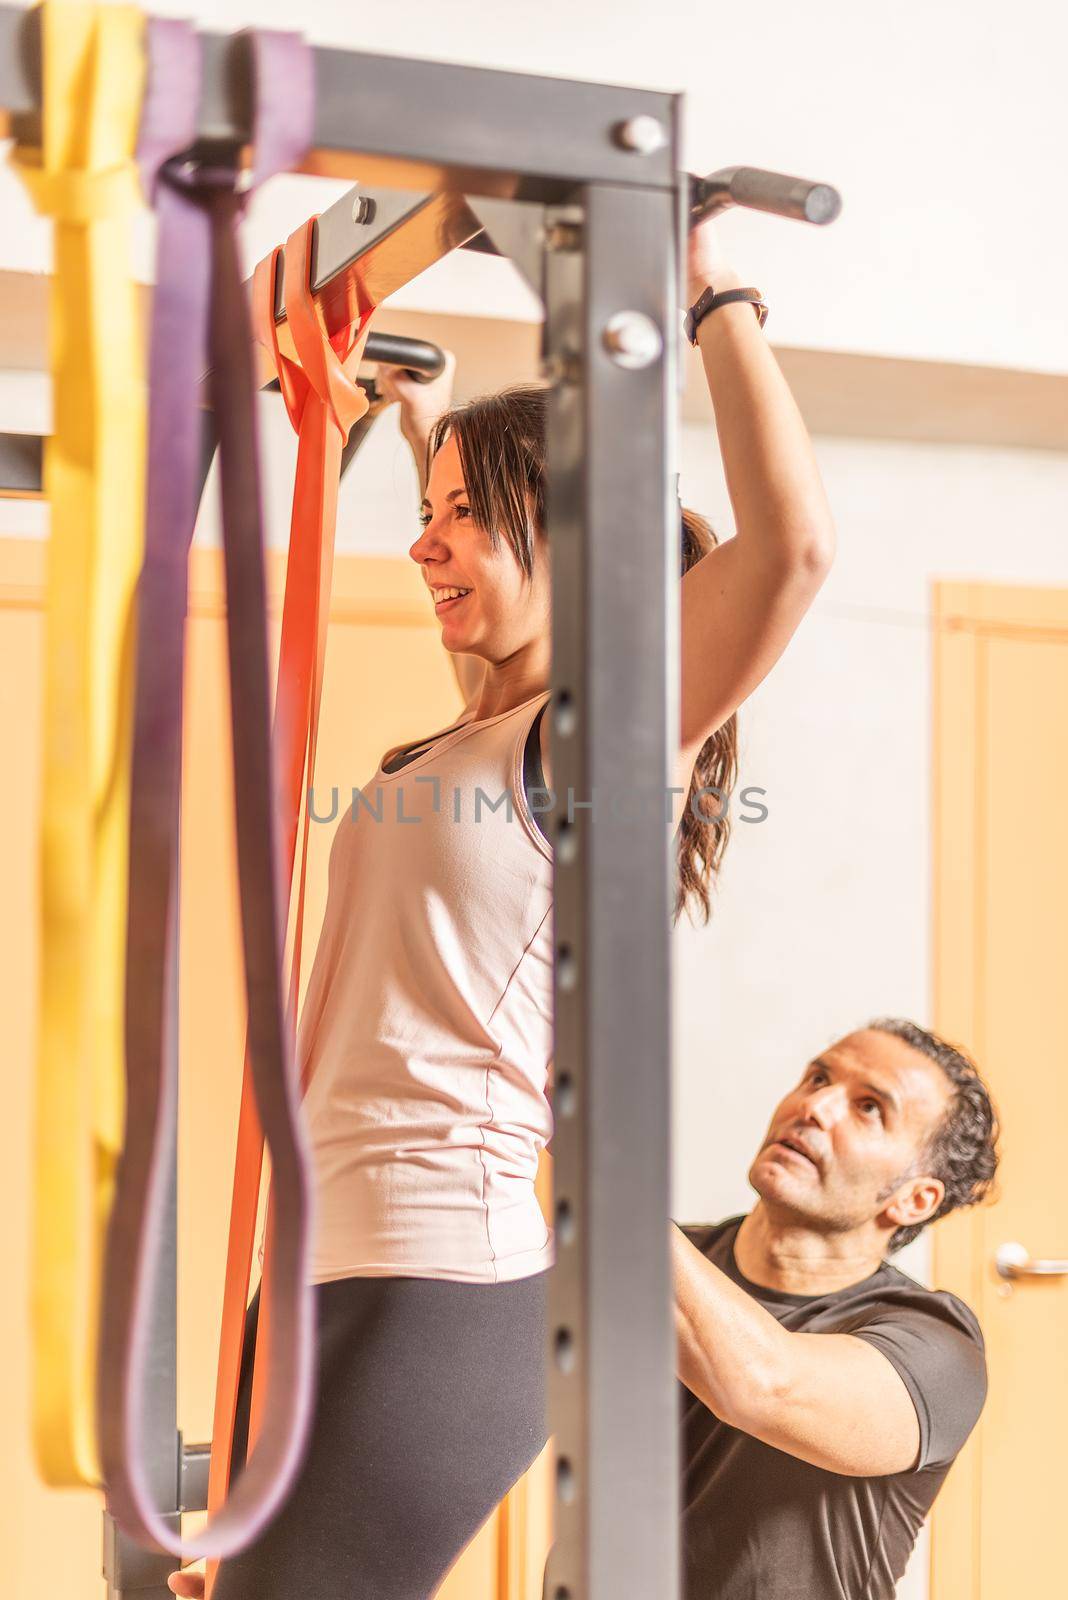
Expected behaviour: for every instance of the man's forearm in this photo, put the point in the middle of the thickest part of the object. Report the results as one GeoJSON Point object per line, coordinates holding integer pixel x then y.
{"type": "Point", "coordinates": [731, 1352]}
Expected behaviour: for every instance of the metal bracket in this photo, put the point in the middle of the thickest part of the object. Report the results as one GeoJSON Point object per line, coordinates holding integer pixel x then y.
{"type": "Point", "coordinates": [129, 1570]}
{"type": "Point", "coordinates": [517, 230]}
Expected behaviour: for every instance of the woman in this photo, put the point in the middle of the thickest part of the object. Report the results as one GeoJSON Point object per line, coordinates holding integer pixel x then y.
{"type": "Point", "coordinates": [427, 1023]}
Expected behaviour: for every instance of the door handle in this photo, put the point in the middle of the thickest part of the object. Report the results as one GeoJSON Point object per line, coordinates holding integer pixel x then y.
{"type": "Point", "coordinates": [1014, 1261]}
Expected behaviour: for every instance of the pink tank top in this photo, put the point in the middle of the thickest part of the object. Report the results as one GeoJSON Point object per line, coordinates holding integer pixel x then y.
{"type": "Point", "coordinates": [427, 1024]}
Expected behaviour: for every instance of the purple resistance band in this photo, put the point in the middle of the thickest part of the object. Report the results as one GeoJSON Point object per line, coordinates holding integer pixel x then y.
{"type": "Point", "coordinates": [201, 317]}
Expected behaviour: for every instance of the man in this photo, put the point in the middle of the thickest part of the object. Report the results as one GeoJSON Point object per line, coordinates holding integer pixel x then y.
{"type": "Point", "coordinates": [826, 1393]}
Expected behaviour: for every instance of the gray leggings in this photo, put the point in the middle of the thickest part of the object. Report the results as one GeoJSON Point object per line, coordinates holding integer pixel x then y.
{"type": "Point", "coordinates": [430, 1404]}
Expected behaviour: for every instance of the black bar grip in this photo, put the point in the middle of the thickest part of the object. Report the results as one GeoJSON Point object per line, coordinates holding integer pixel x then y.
{"type": "Point", "coordinates": [763, 191]}
{"type": "Point", "coordinates": [418, 357]}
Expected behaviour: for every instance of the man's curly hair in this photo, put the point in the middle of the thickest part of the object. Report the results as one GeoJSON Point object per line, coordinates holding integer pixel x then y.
{"type": "Point", "coordinates": [962, 1151]}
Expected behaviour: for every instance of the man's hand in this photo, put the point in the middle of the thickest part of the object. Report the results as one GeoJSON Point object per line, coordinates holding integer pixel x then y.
{"type": "Point", "coordinates": [188, 1584]}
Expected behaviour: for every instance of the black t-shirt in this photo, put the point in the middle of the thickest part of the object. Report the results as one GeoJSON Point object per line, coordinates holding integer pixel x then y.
{"type": "Point", "coordinates": [758, 1524]}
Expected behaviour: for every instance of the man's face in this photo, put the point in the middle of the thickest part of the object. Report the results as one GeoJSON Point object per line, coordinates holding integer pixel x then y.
{"type": "Point", "coordinates": [845, 1141]}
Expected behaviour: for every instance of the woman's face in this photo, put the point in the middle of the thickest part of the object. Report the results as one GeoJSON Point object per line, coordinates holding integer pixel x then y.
{"type": "Point", "coordinates": [501, 613]}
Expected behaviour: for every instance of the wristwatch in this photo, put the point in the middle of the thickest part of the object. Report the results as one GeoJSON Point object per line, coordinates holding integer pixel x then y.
{"type": "Point", "coordinates": [709, 300]}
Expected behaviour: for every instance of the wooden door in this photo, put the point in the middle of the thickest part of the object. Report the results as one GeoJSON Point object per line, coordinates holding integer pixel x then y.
{"type": "Point", "coordinates": [1001, 983]}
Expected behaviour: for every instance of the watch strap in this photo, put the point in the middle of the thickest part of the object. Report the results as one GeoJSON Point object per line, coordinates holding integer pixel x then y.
{"type": "Point", "coordinates": [710, 301]}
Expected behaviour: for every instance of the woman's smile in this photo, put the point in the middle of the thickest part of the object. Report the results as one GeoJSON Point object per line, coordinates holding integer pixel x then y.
{"type": "Point", "coordinates": [448, 603]}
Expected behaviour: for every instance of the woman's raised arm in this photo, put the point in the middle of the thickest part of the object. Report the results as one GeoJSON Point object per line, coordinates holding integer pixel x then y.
{"type": "Point", "coordinates": [742, 603]}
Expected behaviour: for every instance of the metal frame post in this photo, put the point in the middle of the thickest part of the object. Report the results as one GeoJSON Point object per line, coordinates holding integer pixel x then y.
{"type": "Point", "coordinates": [613, 533]}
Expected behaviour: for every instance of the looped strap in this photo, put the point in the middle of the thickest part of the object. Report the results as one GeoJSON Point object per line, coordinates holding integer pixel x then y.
{"type": "Point", "coordinates": [326, 364]}
{"type": "Point", "coordinates": [200, 317]}
{"type": "Point", "coordinates": [92, 74]}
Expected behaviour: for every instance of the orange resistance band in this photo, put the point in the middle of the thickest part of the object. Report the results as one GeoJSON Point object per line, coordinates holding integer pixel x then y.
{"type": "Point", "coordinates": [323, 402]}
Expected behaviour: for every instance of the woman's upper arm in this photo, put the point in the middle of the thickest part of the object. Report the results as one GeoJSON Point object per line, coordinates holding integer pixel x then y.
{"type": "Point", "coordinates": [739, 608]}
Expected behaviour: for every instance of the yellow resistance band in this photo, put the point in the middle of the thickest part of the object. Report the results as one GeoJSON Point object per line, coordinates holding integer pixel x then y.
{"type": "Point", "coordinates": [84, 177]}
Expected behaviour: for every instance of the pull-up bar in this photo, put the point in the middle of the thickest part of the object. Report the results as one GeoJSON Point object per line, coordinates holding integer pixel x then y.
{"type": "Point", "coordinates": [372, 241]}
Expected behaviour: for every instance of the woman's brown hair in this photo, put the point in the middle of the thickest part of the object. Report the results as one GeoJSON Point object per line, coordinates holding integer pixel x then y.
{"type": "Point", "coordinates": [706, 824]}
{"type": "Point", "coordinates": [501, 441]}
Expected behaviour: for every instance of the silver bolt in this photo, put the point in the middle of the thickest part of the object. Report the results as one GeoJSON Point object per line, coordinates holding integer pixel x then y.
{"type": "Point", "coordinates": [363, 210]}
{"type": "Point", "coordinates": [644, 135]}
{"type": "Point", "coordinates": [633, 340]}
